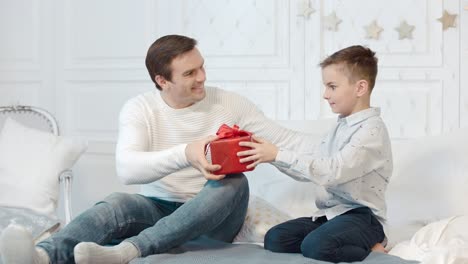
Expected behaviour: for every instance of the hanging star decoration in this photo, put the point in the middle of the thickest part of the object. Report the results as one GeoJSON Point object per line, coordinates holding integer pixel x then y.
{"type": "Point", "coordinates": [331, 22]}
{"type": "Point", "coordinates": [373, 30]}
{"type": "Point", "coordinates": [405, 30]}
{"type": "Point", "coordinates": [447, 20]}
{"type": "Point", "coordinates": [304, 9]}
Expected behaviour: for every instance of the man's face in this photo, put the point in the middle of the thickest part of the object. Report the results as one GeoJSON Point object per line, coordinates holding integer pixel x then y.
{"type": "Point", "coordinates": [340, 93]}
{"type": "Point", "coordinates": [188, 80]}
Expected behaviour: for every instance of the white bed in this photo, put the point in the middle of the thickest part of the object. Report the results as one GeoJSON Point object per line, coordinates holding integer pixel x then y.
{"type": "Point", "coordinates": [427, 209]}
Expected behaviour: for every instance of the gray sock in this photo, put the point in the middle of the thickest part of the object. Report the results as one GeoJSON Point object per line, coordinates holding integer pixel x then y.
{"type": "Point", "coordinates": [17, 247]}
{"type": "Point", "coordinates": [89, 252]}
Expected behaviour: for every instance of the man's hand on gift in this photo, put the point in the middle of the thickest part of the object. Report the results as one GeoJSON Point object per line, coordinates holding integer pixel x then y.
{"type": "Point", "coordinates": [195, 153]}
{"type": "Point", "coordinates": [261, 151]}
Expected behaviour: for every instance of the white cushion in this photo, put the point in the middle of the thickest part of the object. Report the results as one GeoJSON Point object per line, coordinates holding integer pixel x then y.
{"type": "Point", "coordinates": [295, 198]}
{"type": "Point", "coordinates": [441, 242]}
{"type": "Point", "coordinates": [38, 224]}
{"type": "Point", "coordinates": [261, 216]}
{"type": "Point", "coordinates": [429, 182]}
{"type": "Point", "coordinates": [30, 164]}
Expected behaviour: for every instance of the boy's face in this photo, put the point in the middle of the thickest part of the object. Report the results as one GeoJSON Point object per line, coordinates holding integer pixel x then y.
{"type": "Point", "coordinates": [188, 80]}
{"type": "Point", "coordinates": [341, 94]}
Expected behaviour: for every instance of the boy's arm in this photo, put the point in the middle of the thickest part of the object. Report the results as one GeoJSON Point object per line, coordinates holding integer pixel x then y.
{"type": "Point", "coordinates": [368, 150]}
{"type": "Point", "coordinates": [263, 151]}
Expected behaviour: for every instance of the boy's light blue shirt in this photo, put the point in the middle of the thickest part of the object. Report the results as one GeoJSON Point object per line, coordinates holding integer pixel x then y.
{"type": "Point", "coordinates": [352, 164]}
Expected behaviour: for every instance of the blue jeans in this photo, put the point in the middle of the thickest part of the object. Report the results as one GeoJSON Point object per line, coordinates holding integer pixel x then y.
{"type": "Point", "coordinates": [154, 225]}
{"type": "Point", "coordinates": [346, 238]}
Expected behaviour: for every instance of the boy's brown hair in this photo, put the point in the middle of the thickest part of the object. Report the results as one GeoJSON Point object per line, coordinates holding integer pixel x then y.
{"type": "Point", "coordinates": [359, 63]}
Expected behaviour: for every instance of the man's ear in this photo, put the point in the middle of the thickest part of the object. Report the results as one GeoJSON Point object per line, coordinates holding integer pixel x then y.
{"type": "Point", "coordinates": [161, 81]}
{"type": "Point", "coordinates": [362, 87]}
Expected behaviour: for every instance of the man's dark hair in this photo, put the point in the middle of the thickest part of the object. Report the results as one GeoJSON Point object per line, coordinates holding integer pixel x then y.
{"type": "Point", "coordinates": [163, 51]}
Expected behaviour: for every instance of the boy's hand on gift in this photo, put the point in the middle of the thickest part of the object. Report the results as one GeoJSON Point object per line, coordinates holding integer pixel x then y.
{"type": "Point", "coordinates": [261, 151]}
{"type": "Point", "coordinates": [195, 153]}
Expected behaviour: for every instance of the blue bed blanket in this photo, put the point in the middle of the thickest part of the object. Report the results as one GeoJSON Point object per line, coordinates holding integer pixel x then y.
{"type": "Point", "coordinates": [207, 251]}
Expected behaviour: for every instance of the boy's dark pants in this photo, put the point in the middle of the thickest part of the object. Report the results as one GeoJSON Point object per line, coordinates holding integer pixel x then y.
{"type": "Point", "coordinates": [346, 238]}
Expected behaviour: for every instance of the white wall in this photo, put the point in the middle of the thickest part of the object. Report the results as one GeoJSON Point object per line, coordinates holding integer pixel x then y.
{"type": "Point", "coordinates": [83, 59]}
{"type": "Point", "coordinates": [463, 20]}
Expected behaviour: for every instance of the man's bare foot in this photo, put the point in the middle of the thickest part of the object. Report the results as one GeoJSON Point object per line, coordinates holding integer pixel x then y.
{"type": "Point", "coordinates": [379, 248]}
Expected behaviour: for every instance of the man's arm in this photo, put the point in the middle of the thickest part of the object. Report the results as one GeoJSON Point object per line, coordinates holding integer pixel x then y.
{"type": "Point", "coordinates": [263, 151]}
{"type": "Point", "coordinates": [195, 153]}
{"type": "Point", "coordinates": [254, 121]}
{"type": "Point", "coordinates": [135, 164]}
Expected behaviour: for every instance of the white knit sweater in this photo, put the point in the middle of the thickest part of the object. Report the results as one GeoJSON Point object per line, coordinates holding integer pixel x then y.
{"type": "Point", "coordinates": [153, 136]}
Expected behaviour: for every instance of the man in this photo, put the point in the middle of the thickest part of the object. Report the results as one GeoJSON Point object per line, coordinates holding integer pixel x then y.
{"type": "Point", "coordinates": [162, 138]}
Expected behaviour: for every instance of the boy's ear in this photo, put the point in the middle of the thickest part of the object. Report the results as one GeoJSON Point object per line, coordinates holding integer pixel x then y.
{"type": "Point", "coordinates": [160, 80]}
{"type": "Point", "coordinates": [362, 87]}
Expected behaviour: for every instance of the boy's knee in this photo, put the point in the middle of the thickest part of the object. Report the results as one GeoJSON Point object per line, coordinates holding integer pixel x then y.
{"type": "Point", "coordinates": [318, 254]}
{"type": "Point", "coordinates": [319, 249]}
{"type": "Point", "coordinates": [273, 240]}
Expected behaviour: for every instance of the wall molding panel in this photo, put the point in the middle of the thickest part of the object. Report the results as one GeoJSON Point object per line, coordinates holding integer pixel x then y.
{"type": "Point", "coordinates": [463, 20]}
{"type": "Point", "coordinates": [23, 45]}
{"type": "Point", "coordinates": [411, 108]}
{"type": "Point", "coordinates": [424, 47]}
{"type": "Point", "coordinates": [90, 114]}
{"type": "Point", "coordinates": [97, 38]}
{"type": "Point", "coordinates": [24, 92]}
{"type": "Point", "coordinates": [271, 97]}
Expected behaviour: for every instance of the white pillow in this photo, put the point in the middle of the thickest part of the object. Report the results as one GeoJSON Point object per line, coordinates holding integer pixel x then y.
{"type": "Point", "coordinates": [295, 198]}
{"type": "Point", "coordinates": [39, 225]}
{"type": "Point", "coordinates": [30, 164]}
{"type": "Point", "coordinates": [429, 182]}
{"type": "Point", "coordinates": [444, 241]}
{"type": "Point", "coordinates": [261, 216]}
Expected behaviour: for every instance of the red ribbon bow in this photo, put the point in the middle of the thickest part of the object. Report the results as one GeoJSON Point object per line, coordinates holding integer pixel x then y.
{"type": "Point", "coordinates": [226, 131]}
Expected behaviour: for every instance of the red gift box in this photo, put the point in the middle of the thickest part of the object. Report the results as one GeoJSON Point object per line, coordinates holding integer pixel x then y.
{"type": "Point", "coordinates": [224, 150]}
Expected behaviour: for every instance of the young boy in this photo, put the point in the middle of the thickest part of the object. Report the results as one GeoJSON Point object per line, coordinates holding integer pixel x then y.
{"type": "Point", "coordinates": [352, 164]}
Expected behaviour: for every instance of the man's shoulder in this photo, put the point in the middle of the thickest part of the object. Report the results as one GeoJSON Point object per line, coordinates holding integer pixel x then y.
{"type": "Point", "coordinates": [223, 96]}
{"type": "Point", "coordinates": [146, 96]}
{"type": "Point", "coordinates": [143, 98]}
{"type": "Point", "coordinates": [218, 92]}
{"type": "Point", "coordinates": [141, 102]}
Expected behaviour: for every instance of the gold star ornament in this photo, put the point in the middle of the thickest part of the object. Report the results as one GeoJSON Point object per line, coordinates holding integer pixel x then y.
{"type": "Point", "coordinates": [373, 30]}
{"type": "Point", "coordinates": [331, 22]}
{"type": "Point", "coordinates": [447, 20]}
{"type": "Point", "coordinates": [405, 30]}
{"type": "Point", "coordinates": [304, 9]}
